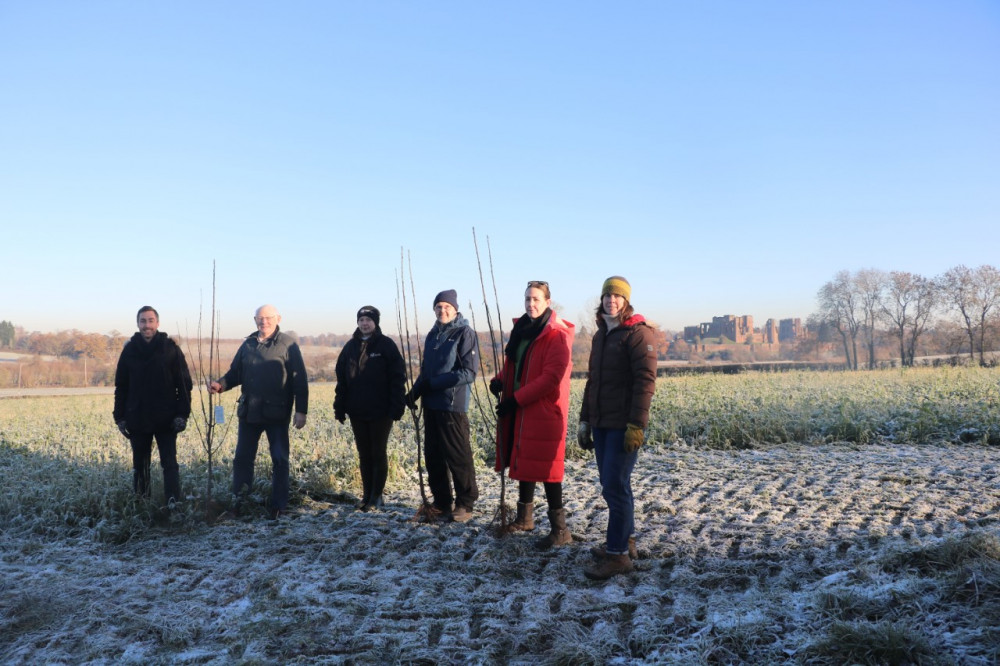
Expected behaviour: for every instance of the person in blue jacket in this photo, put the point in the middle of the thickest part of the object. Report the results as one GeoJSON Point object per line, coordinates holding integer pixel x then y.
{"type": "Point", "coordinates": [443, 386]}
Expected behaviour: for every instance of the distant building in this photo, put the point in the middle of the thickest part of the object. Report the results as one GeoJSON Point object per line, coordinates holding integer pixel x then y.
{"type": "Point", "coordinates": [737, 329]}
{"type": "Point", "coordinates": [740, 330]}
{"type": "Point", "coordinates": [770, 333]}
{"type": "Point", "coordinates": [789, 329]}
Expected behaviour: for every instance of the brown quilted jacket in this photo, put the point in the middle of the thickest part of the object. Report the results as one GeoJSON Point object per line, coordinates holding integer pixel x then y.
{"type": "Point", "coordinates": [621, 376]}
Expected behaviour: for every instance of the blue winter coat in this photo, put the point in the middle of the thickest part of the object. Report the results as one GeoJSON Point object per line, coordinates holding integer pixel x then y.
{"type": "Point", "coordinates": [449, 366]}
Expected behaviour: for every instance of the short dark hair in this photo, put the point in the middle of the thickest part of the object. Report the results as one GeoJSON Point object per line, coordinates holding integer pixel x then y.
{"type": "Point", "coordinates": [147, 308]}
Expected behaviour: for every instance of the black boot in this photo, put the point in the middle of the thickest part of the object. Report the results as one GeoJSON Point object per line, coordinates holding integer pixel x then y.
{"type": "Point", "coordinates": [171, 486]}
{"type": "Point", "coordinates": [366, 492]}
{"type": "Point", "coordinates": [373, 504]}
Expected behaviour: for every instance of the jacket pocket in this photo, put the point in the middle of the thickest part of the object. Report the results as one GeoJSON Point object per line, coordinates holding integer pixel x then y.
{"type": "Point", "coordinates": [274, 411]}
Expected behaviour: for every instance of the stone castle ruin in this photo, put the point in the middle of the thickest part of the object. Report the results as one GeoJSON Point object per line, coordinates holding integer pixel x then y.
{"type": "Point", "coordinates": [741, 330]}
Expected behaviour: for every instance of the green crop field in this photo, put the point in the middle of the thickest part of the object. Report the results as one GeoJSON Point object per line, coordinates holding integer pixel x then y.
{"type": "Point", "coordinates": [70, 469]}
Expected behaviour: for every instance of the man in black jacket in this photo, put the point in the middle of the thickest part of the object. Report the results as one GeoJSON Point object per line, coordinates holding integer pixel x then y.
{"type": "Point", "coordinates": [152, 400]}
{"type": "Point", "coordinates": [269, 367]}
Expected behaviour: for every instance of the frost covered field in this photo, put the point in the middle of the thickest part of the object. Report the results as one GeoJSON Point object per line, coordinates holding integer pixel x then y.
{"type": "Point", "coordinates": [800, 518]}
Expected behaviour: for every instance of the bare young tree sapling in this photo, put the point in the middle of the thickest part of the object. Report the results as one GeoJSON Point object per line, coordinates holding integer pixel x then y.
{"type": "Point", "coordinates": [212, 411]}
{"type": "Point", "coordinates": [427, 512]}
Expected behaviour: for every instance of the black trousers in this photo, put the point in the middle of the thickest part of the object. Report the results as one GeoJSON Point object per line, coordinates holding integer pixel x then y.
{"type": "Point", "coordinates": [448, 453]}
{"type": "Point", "coordinates": [553, 493]}
{"type": "Point", "coordinates": [371, 439]}
{"type": "Point", "coordinates": [142, 453]}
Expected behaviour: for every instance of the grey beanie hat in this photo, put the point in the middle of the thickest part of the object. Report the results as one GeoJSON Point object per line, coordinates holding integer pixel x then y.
{"type": "Point", "coordinates": [447, 296]}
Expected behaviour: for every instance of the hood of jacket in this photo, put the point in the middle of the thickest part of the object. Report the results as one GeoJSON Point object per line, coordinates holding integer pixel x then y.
{"type": "Point", "coordinates": [457, 322]}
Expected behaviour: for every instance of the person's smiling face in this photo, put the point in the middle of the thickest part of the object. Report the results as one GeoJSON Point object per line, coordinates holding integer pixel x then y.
{"type": "Point", "coordinates": [613, 304]}
{"type": "Point", "coordinates": [148, 323]}
{"type": "Point", "coordinates": [267, 319]}
{"type": "Point", "coordinates": [366, 325]}
{"type": "Point", "coordinates": [445, 312]}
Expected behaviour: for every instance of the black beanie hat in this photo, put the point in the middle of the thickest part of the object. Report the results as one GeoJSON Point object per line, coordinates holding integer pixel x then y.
{"type": "Point", "coordinates": [447, 296]}
{"type": "Point", "coordinates": [371, 312]}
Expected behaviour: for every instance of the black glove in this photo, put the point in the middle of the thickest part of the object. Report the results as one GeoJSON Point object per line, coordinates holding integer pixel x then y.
{"type": "Point", "coordinates": [411, 398]}
{"type": "Point", "coordinates": [180, 423]}
{"type": "Point", "coordinates": [506, 406]}
{"type": "Point", "coordinates": [339, 415]}
{"type": "Point", "coordinates": [496, 386]}
{"type": "Point", "coordinates": [584, 436]}
{"type": "Point", "coordinates": [397, 413]}
{"type": "Point", "coordinates": [123, 428]}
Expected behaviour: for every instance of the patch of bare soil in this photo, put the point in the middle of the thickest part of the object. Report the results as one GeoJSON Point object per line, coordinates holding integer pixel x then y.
{"type": "Point", "coordinates": [740, 554]}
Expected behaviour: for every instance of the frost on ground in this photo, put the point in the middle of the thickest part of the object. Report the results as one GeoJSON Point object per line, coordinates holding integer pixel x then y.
{"type": "Point", "coordinates": [758, 556]}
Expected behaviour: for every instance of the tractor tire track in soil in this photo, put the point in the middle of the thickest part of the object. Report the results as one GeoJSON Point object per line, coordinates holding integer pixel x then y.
{"type": "Point", "coordinates": [727, 539]}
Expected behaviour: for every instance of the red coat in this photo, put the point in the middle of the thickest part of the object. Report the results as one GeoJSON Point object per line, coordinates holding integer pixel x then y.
{"type": "Point", "coordinates": [539, 424]}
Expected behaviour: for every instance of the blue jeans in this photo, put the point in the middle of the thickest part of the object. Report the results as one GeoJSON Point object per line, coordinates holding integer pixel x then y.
{"type": "Point", "coordinates": [247, 440]}
{"type": "Point", "coordinates": [614, 467]}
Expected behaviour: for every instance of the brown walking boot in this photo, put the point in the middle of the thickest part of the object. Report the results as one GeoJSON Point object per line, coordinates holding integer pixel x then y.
{"type": "Point", "coordinates": [600, 552]}
{"type": "Point", "coordinates": [559, 535]}
{"type": "Point", "coordinates": [612, 565]}
{"type": "Point", "coordinates": [525, 521]}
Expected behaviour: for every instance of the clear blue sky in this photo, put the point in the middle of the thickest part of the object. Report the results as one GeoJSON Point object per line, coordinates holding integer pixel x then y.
{"type": "Point", "coordinates": [726, 157]}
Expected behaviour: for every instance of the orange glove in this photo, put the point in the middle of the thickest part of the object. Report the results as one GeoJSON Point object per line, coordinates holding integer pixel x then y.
{"type": "Point", "coordinates": [634, 437]}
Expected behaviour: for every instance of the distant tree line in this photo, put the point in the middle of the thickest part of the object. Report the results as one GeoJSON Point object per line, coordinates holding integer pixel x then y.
{"type": "Point", "coordinates": [863, 313]}
{"type": "Point", "coordinates": [863, 306]}
{"type": "Point", "coordinates": [6, 333]}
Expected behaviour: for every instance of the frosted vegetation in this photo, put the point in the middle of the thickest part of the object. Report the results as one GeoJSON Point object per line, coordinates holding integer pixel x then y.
{"type": "Point", "coordinates": [801, 518]}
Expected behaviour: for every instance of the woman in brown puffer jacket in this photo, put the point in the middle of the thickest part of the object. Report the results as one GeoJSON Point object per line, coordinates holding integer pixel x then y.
{"type": "Point", "coordinates": [621, 380]}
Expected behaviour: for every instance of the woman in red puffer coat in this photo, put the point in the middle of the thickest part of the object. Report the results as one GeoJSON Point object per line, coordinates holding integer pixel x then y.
{"type": "Point", "coordinates": [533, 412]}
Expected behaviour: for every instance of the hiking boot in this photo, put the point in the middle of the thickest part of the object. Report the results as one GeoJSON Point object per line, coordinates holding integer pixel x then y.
{"type": "Point", "coordinates": [559, 534]}
{"type": "Point", "coordinates": [525, 521]}
{"type": "Point", "coordinates": [612, 565]}
{"type": "Point", "coordinates": [461, 515]}
{"type": "Point", "coordinates": [428, 513]}
{"type": "Point", "coordinates": [600, 552]}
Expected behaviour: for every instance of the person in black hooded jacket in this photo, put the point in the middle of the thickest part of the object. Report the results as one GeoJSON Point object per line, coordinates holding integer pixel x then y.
{"type": "Point", "coordinates": [152, 400]}
{"type": "Point", "coordinates": [371, 382]}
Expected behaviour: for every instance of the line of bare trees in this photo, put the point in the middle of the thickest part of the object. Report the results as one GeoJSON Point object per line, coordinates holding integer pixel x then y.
{"type": "Point", "coordinates": [861, 305]}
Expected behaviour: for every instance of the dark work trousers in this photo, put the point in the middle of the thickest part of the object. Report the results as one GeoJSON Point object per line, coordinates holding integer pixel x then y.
{"type": "Point", "coordinates": [142, 453]}
{"type": "Point", "coordinates": [371, 438]}
{"type": "Point", "coordinates": [447, 452]}
{"type": "Point", "coordinates": [245, 457]}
